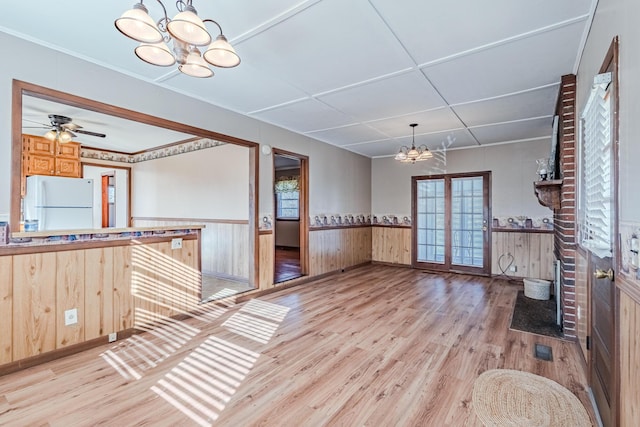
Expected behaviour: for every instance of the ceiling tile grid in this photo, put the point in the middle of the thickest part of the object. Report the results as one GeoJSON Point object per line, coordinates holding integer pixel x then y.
{"type": "Point", "coordinates": [355, 74]}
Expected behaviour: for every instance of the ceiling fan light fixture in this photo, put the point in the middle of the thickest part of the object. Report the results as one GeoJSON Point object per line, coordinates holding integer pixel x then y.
{"type": "Point", "coordinates": [156, 54]}
{"type": "Point", "coordinates": [189, 28]}
{"type": "Point", "coordinates": [186, 30]}
{"type": "Point", "coordinates": [221, 54]}
{"type": "Point", "coordinates": [136, 24]}
{"type": "Point", "coordinates": [195, 66]}
{"type": "Point", "coordinates": [64, 137]}
{"type": "Point", "coordinates": [51, 135]}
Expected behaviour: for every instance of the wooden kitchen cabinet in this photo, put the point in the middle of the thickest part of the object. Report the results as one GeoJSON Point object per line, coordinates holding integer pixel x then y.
{"type": "Point", "coordinates": [68, 168]}
{"type": "Point", "coordinates": [38, 145]}
{"type": "Point", "coordinates": [43, 157]}
{"type": "Point", "coordinates": [70, 150]}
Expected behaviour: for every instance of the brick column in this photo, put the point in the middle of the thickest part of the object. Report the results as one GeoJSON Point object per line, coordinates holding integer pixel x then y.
{"type": "Point", "coordinates": [565, 217]}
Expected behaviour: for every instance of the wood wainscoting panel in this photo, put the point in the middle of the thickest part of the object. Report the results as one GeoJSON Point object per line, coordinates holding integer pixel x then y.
{"type": "Point", "coordinates": [338, 248]}
{"type": "Point", "coordinates": [144, 286]}
{"type": "Point", "coordinates": [98, 295]}
{"type": "Point", "coordinates": [530, 253]}
{"type": "Point", "coordinates": [187, 279]}
{"type": "Point", "coordinates": [225, 244]}
{"type": "Point", "coordinates": [165, 282]}
{"type": "Point", "coordinates": [122, 302]}
{"type": "Point", "coordinates": [167, 268]}
{"type": "Point", "coordinates": [266, 260]}
{"type": "Point", "coordinates": [69, 295]}
{"type": "Point", "coordinates": [6, 308]}
{"type": "Point", "coordinates": [391, 245]}
{"type": "Point", "coordinates": [34, 303]}
{"type": "Point", "coordinates": [629, 360]}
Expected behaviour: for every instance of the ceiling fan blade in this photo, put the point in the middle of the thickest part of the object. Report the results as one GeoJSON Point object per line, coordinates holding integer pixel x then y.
{"type": "Point", "coordinates": [46, 125]}
{"type": "Point", "coordinates": [86, 132]}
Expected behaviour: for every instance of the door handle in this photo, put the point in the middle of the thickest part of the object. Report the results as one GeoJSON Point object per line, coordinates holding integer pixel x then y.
{"type": "Point", "coordinates": [601, 274]}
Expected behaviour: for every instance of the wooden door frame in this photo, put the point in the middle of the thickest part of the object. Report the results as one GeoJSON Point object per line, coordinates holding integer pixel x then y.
{"type": "Point", "coordinates": [21, 88]}
{"type": "Point", "coordinates": [609, 64]}
{"type": "Point", "coordinates": [303, 228]}
{"type": "Point", "coordinates": [446, 266]}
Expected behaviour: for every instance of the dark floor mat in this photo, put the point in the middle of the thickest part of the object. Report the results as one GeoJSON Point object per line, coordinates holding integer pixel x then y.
{"type": "Point", "coordinates": [535, 316]}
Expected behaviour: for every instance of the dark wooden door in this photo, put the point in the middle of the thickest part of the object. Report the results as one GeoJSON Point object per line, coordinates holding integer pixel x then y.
{"type": "Point", "coordinates": [105, 200]}
{"type": "Point", "coordinates": [603, 336]}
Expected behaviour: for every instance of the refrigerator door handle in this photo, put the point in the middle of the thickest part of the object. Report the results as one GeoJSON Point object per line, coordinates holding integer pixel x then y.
{"type": "Point", "coordinates": [42, 194]}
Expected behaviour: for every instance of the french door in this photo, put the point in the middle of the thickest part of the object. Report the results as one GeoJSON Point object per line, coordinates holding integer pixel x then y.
{"type": "Point", "coordinates": [451, 227]}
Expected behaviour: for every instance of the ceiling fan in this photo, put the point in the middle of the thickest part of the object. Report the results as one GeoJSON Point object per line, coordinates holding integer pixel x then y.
{"type": "Point", "coordinates": [62, 129]}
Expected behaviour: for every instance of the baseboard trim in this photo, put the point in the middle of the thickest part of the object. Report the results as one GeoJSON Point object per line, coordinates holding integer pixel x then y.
{"type": "Point", "coordinates": [52, 355]}
{"type": "Point", "coordinates": [391, 264]}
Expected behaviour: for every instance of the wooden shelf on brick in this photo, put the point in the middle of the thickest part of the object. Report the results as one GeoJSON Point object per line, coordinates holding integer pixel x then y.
{"type": "Point", "coordinates": [548, 193]}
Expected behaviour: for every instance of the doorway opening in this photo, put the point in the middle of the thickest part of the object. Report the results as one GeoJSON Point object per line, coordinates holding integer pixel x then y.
{"type": "Point", "coordinates": [290, 201]}
{"type": "Point", "coordinates": [111, 198]}
{"type": "Point", "coordinates": [108, 189]}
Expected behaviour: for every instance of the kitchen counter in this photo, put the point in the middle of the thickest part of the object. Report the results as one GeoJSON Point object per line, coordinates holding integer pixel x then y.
{"type": "Point", "coordinates": [54, 240]}
{"type": "Point", "coordinates": [100, 231]}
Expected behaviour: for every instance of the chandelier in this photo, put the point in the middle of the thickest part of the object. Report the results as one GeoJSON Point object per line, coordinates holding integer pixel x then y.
{"type": "Point", "coordinates": [186, 32]}
{"type": "Point", "coordinates": [413, 154]}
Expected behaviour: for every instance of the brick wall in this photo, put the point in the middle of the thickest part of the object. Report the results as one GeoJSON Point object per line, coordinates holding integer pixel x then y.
{"type": "Point", "coordinates": [565, 217]}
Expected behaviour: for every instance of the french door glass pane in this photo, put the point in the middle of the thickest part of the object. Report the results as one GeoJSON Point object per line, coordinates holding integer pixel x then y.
{"type": "Point", "coordinates": [431, 221]}
{"type": "Point", "coordinates": [467, 221]}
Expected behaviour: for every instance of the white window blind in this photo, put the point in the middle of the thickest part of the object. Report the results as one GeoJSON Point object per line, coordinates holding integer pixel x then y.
{"type": "Point", "coordinates": [596, 198]}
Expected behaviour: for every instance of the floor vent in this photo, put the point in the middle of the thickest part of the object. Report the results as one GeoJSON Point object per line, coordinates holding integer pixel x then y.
{"type": "Point", "coordinates": [543, 352]}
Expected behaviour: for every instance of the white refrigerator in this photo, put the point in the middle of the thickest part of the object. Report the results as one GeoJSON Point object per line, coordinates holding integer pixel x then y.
{"type": "Point", "coordinates": [59, 203]}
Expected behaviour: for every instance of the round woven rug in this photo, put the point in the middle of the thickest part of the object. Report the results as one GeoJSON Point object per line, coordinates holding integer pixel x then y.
{"type": "Point", "coordinates": [503, 397]}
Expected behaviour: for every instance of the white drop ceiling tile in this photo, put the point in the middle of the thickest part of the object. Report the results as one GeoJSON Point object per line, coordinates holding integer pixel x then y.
{"type": "Point", "coordinates": [304, 116]}
{"type": "Point", "coordinates": [450, 139]}
{"type": "Point", "coordinates": [243, 88]}
{"type": "Point", "coordinates": [492, 71]}
{"type": "Point", "coordinates": [432, 30]}
{"type": "Point", "coordinates": [515, 131]}
{"type": "Point", "coordinates": [392, 96]}
{"type": "Point", "coordinates": [235, 17]}
{"type": "Point", "coordinates": [376, 149]}
{"type": "Point", "coordinates": [348, 135]}
{"type": "Point", "coordinates": [536, 103]}
{"type": "Point", "coordinates": [328, 45]}
{"type": "Point", "coordinates": [428, 121]}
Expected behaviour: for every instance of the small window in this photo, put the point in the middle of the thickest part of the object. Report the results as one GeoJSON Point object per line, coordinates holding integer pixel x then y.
{"type": "Point", "coordinates": [288, 205]}
{"type": "Point", "coordinates": [595, 216]}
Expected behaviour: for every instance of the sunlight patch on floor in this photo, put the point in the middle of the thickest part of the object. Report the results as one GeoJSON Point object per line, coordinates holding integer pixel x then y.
{"type": "Point", "coordinates": [203, 383]}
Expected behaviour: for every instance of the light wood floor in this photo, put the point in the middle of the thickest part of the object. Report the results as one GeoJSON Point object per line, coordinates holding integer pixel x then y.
{"type": "Point", "coordinates": [376, 346]}
{"type": "Point", "coordinates": [214, 288]}
{"type": "Point", "coordinates": [287, 264]}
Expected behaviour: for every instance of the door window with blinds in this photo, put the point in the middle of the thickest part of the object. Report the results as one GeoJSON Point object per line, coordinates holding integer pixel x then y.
{"type": "Point", "coordinates": [595, 216]}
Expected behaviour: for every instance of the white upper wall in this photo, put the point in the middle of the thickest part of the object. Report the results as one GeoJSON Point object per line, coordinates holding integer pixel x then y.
{"type": "Point", "coordinates": [339, 179]}
{"type": "Point", "coordinates": [621, 18]}
{"type": "Point", "coordinates": [210, 184]}
{"type": "Point", "coordinates": [513, 168]}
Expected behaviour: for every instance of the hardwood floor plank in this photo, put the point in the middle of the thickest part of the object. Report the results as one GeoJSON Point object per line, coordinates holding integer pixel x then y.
{"type": "Point", "coordinates": [377, 345]}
